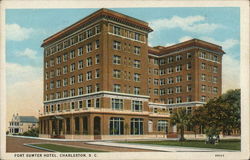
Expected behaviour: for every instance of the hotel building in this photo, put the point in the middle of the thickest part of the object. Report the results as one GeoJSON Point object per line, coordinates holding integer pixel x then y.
{"type": "Point", "coordinates": [103, 81]}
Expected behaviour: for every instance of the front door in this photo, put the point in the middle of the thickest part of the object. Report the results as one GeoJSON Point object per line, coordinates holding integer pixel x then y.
{"type": "Point", "coordinates": [97, 128]}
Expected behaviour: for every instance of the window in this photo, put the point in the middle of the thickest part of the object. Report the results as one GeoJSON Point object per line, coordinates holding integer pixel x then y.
{"type": "Point", "coordinates": [137, 77]}
{"type": "Point", "coordinates": [203, 77]}
{"type": "Point", "coordinates": [98, 29]}
{"type": "Point", "coordinates": [203, 88]}
{"type": "Point", "coordinates": [65, 69]}
{"type": "Point", "coordinates": [80, 51]}
{"type": "Point", "coordinates": [162, 91]}
{"type": "Point", "coordinates": [97, 73]}
{"type": "Point", "coordinates": [89, 33]}
{"type": "Point", "coordinates": [170, 91]}
{"type": "Point", "coordinates": [170, 100]}
{"type": "Point", "coordinates": [97, 59]}
{"type": "Point", "coordinates": [156, 71]}
{"type": "Point", "coordinates": [80, 64]}
{"type": "Point", "coordinates": [97, 87]}
{"type": "Point", "coordinates": [88, 61]}
{"type": "Point", "coordinates": [89, 89]}
{"type": "Point", "coordinates": [215, 69]}
{"type": "Point", "coordinates": [65, 82]}
{"type": "Point", "coordinates": [117, 30]}
{"type": "Point", "coordinates": [137, 106]}
{"type": "Point", "coordinates": [80, 78]}
{"type": "Point", "coordinates": [97, 44]}
{"type": "Point", "coordinates": [179, 68]}
{"type": "Point", "coordinates": [137, 36]}
{"type": "Point", "coordinates": [178, 89]}
{"type": "Point", "coordinates": [136, 126]}
{"type": "Point", "coordinates": [156, 82]}
{"type": "Point", "coordinates": [214, 79]}
{"type": "Point", "coordinates": [116, 73]}
{"type": "Point", "coordinates": [189, 98]}
{"type": "Point", "coordinates": [59, 60]}
{"type": "Point", "coordinates": [162, 126]}
{"type": "Point", "coordinates": [80, 91]}
{"type": "Point", "coordinates": [137, 50]}
{"type": "Point", "coordinates": [89, 75]}
{"type": "Point", "coordinates": [162, 61]}
{"type": "Point", "coordinates": [65, 94]}
{"type": "Point", "coordinates": [52, 62]}
{"type": "Point", "coordinates": [203, 55]}
{"type": "Point", "coordinates": [170, 59]}
{"type": "Point", "coordinates": [116, 126]}
{"type": "Point", "coordinates": [215, 58]}
{"type": "Point", "coordinates": [58, 83]}
{"type": "Point", "coordinates": [46, 75]}
{"type": "Point", "coordinates": [162, 71]}
{"type": "Point", "coordinates": [80, 37]}
{"type": "Point", "coordinates": [72, 92]}
{"type": "Point", "coordinates": [203, 66]}
{"type": "Point", "coordinates": [116, 45]}
{"type": "Point", "coordinates": [116, 59]}
{"type": "Point", "coordinates": [88, 103]}
{"type": "Point", "coordinates": [162, 81]}
{"type": "Point", "coordinates": [117, 104]}
{"type": "Point", "coordinates": [178, 79]}
{"type": "Point", "coordinates": [51, 84]}
{"type": "Point", "coordinates": [189, 66]}
{"type": "Point", "coordinates": [58, 71]}
{"type": "Point", "coordinates": [80, 104]}
{"type": "Point", "coordinates": [65, 57]}
{"type": "Point", "coordinates": [117, 88]}
{"type": "Point", "coordinates": [189, 55]}
{"type": "Point", "coordinates": [170, 70]}
{"type": "Point", "coordinates": [215, 90]}
{"type": "Point", "coordinates": [178, 57]}
{"type": "Point", "coordinates": [72, 54]}
{"type": "Point", "coordinates": [203, 98]}
{"type": "Point", "coordinates": [170, 80]}
{"type": "Point", "coordinates": [58, 95]}
{"type": "Point", "coordinates": [137, 64]}
{"type": "Point", "coordinates": [97, 103]}
{"type": "Point", "coordinates": [72, 67]}
{"type": "Point", "coordinates": [156, 61]}
{"type": "Point", "coordinates": [89, 47]}
{"type": "Point", "coordinates": [72, 80]}
{"type": "Point", "coordinates": [156, 91]}
{"type": "Point", "coordinates": [189, 77]}
{"type": "Point", "coordinates": [189, 88]}
{"type": "Point", "coordinates": [178, 100]}
{"type": "Point", "coordinates": [137, 90]}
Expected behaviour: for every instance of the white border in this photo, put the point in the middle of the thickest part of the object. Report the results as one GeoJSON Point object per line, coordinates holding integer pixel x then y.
{"type": "Point", "coordinates": [243, 4]}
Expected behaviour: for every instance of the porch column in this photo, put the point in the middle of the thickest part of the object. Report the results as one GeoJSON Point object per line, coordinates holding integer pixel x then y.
{"type": "Point", "coordinates": [91, 124]}
{"type": "Point", "coordinates": [50, 126]}
{"type": "Point", "coordinates": [47, 126]}
{"type": "Point", "coordinates": [72, 125]}
{"type": "Point", "coordinates": [81, 124]}
{"type": "Point", "coordinates": [64, 126]}
{"type": "Point", "coordinates": [57, 127]}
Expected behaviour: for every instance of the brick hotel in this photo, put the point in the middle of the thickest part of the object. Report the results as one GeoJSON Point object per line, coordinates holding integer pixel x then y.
{"type": "Point", "coordinates": [103, 81]}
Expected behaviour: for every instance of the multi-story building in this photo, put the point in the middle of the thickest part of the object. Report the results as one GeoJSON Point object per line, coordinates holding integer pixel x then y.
{"type": "Point", "coordinates": [101, 80]}
{"type": "Point", "coordinates": [21, 124]}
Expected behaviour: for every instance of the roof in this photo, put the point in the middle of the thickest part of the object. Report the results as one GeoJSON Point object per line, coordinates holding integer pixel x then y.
{"type": "Point", "coordinates": [161, 50]}
{"type": "Point", "coordinates": [28, 119]}
{"type": "Point", "coordinates": [107, 13]}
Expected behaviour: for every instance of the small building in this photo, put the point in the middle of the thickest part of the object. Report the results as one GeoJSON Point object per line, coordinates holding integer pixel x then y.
{"type": "Point", "coordinates": [21, 124]}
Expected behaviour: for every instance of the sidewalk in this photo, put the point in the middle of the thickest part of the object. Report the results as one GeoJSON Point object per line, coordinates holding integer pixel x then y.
{"type": "Point", "coordinates": [159, 147]}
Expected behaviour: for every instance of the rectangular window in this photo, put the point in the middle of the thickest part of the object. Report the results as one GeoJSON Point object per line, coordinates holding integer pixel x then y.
{"type": "Point", "coordinates": [137, 77]}
{"type": "Point", "coordinates": [189, 88]}
{"type": "Point", "coordinates": [178, 57]}
{"type": "Point", "coordinates": [137, 50]}
{"type": "Point", "coordinates": [189, 77]}
{"type": "Point", "coordinates": [97, 44]}
{"type": "Point", "coordinates": [162, 91]}
{"type": "Point", "coordinates": [80, 51]}
{"type": "Point", "coordinates": [178, 100]}
{"type": "Point", "coordinates": [170, 70]}
{"type": "Point", "coordinates": [97, 73]}
{"type": "Point", "coordinates": [203, 66]}
{"type": "Point", "coordinates": [162, 126]}
{"type": "Point", "coordinates": [65, 69]}
{"type": "Point", "coordinates": [65, 94]}
{"type": "Point", "coordinates": [162, 82]}
{"type": "Point", "coordinates": [170, 91]}
{"type": "Point", "coordinates": [72, 67]}
{"type": "Point", "coordinates": [97, 103]}
{"type": "Point", "coordinates": [179, 68]}
{"type": "Point", "coordinates": [88, 103]}
{"type": "Point", "coordinates": [89, 47]}
{"type": "Point", "coordinates": [58, 71]}
{"type": "Point", "coordinates": [170, 59]}
{"type": "Point", "coordinates": [116, 59]}
{"type": "Point", "coordinates": [178, 79]}
{"type": "Point", "coordinates": [89, 75]}
{"type": "Point", "coordinates": [59, 60]}
{"type": "Point", "coordinates": [117, 30]}
{"type": "Point", "coordinates": [80, 78]}
{"type": "Point", "coordinates": [189, 66]}
{"type": "Point", "coordinates": [203, 77]}
{"type": "Point", "coordinates": [65, 82]}
{"type": "Point", "coordinates": [72, 80]}
{"type": "Point", "coordinates": [80, 104]}
{"type": "Point", "coordinates": [137, 36]}
{"type": "Point", "coordinates": [117, 88]}
{"type": "Point", "coordinates": [72, 92]}
{"type": "Point", "coordinates": [117, 104]}
{"type": "Point", "coordinates": [89, 89]}
{"type": "Point", "coordinates": [97, 29]}
{"type": "Point", "coordinates": [72, 54]}
{"type": "Point", "coordinates": [88, 61]}
{"type": "Point", "coordinates": [156, 82]}
{"type": "Point", "coordinates": [116, 45]}
{"type": "Point", "coordinates": [189, 55]}
{"type": "Point", "coordinates": [170, 80]}
{"type": "Point", "coordinates": [215, 79]}
{"type": "Point", "coordinates": [116, 126]}
{"type": "Point", "coordinates": [136, 126]}
{"type": "Point", "coordinates": [97, 59]}
{"type": "Point", "coordinates": [203, 98]}
{"type": "Point", "coordinates": [178, 89]}
{"type": "Point", "coordinates": [137, 90]}
{"type": "Point", "coordinates": [203, 88]}
{"type": "Point", "coordinates": [136, 106]}
{"type": "Point", "coordinates": [80, 64]}
{"type": "Point", "coordinates": [215, 69]}
{"type": "Point", "coordinates": [89, 33]}
{"type": "Point", "coordinates": [80, 91]}
{"type": "Point", "coordinates": [156, 92]}
{"type": "Point", "coordinates": [97, 87]}
{"type": "Point", "coordinates": [116, 73]}
{"type": "Point", "coordinates": [137, 64]}
{"type": "Point", "coordinates": [65, 57]}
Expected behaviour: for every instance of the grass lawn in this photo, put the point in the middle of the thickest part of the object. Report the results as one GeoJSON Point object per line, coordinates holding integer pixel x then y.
{"type": "Point", "coordinates": [223, 144]}
{"type": "Point", "coordinates": [61, 148]}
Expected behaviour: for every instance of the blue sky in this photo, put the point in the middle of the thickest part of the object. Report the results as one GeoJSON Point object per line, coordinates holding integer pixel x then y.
{"type": "Point", "coordinates": [26, 29]}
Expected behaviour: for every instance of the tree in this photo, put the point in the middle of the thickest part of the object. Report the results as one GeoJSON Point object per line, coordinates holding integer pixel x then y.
{"type": "Point", "coordinates": [34, 132]}
{"type": "Point", "coordinates": [221, 114]}
{"type": "Point", "coordinates": [182, 119]}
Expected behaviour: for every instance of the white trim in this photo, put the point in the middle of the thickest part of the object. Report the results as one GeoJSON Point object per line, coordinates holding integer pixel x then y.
{"type": "Point", "coordinates": [103, 94]}
{"type": "Point", "coordinates": [110, 33]}
{"type": "Point", "coordinates": [176, 105]}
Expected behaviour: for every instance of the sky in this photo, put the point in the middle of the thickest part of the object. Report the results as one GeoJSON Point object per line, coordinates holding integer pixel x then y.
{"type": "Point", "coordinates": [27, 28]}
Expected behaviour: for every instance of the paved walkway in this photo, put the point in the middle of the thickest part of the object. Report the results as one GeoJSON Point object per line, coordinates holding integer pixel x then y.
{"type": "Point", "coordinates": [159, 147]}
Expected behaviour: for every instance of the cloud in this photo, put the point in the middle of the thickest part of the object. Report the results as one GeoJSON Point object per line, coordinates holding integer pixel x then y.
{"type": "Point", "coordinates": [230, 73]}
{"type": "Point", "coordinates": [191, 24]}
{"type": "Point", "coordinates": [27, 53]}
{"type": "Point", "coordinates": [24, 90]}
{"type": "Point", "coordinates": [15, 32]}
{"type": "Point", "coordinates": [185, 38]}
{"type": "Point", "coordinates": [226, 44]}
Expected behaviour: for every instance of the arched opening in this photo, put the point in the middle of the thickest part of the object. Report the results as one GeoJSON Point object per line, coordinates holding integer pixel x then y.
{"type": "Point", "coordinates": [97, 126]}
